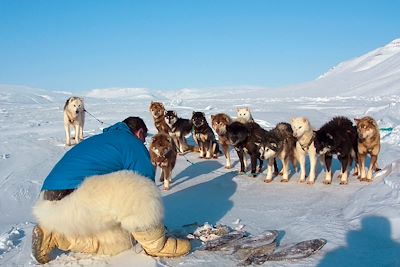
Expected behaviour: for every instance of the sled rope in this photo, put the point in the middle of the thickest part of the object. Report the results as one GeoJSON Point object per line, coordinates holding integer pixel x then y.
{"type": "Point", "coordinates": [101, 122]}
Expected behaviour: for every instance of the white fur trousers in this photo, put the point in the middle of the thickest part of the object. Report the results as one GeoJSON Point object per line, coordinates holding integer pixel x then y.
{"type": "Point", "coordinates": [107, 207]}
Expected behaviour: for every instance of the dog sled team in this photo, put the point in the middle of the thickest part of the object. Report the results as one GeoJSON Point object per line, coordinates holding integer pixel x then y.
{"type": "Point", "coordinates": [290, 143]}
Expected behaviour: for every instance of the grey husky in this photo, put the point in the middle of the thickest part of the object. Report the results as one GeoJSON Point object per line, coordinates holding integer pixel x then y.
{"type": "Point", "coordinates": [278, 143]}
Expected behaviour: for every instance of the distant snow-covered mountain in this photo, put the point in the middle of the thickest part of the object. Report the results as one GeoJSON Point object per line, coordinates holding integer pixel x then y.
{"type": "Point", "coordinates": [16, 94]}
{"type": "Point", "coordinates": [376, 73]}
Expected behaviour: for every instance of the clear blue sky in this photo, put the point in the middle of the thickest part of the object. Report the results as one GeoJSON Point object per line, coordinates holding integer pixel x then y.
{"type": "Point", "coordinates": [80, 45]}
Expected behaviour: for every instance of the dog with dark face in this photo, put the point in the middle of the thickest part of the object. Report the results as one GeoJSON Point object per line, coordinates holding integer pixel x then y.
{"type": "Point", "coordinates": [178, 129]}
{"type": "Point", "coordinates": [204, 136]}
{"type": "Point", "coordinates": [339, 137]}
{"type": "Point", "coordinates": [157, 111]}
{"type": "Point", "coordinates": [278, 143]}
{"type": "Point", "coordinates": [163, 154]}
{"type": "Point", "coordinates": [218, 123]}
{"type": "Point", "coordinates": [369, 142]}
{"type": "Point", "coordinates": [243, 138]}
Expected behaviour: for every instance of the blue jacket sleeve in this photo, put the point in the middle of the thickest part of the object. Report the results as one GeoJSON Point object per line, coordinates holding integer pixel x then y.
{"type": "Point", "coordinates": [138, 160]}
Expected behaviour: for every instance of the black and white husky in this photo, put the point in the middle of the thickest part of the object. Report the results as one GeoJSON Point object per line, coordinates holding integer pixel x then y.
{"type": "Point", "coordinates": [339, 137]}
{"type": "Point", "coordinates": [204, 136]}
{"type": "Point", "coordinates": [278, 143]}
{"type": "Point", "coordinates": [178, 129]}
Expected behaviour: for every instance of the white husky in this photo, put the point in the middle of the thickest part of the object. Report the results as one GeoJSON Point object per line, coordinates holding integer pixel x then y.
{"type": "Point", "coordinates": [304, 132]}
{"type": "Point", "coordinates": [244, 115]}
{"type": "Point", "coordinates": [74, 116]}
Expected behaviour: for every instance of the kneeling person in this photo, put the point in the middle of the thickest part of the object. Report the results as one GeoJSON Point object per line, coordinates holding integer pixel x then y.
{"type": "Point", "coordinates": [99, 195]}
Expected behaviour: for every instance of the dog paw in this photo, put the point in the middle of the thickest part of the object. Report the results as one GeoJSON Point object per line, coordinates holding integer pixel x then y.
{"type": "Point", "coordinates": [301, 181]}
{"type": "Point", "coordinates": [241, 172]}
{"type": "Point", "coordinates": [280, 173]}
{"type": "Point", "coordinates": [310, 182]}
{"type": "Point", "coordinates": [326, 182]}
{"type": "Point", "coordinates": [343, 183]}
{"type": "Point", "coordinates": [228, 167]}
{"type": "Point", "coordinates": [253, 175]}
{"type": "Point", "coordinates": [355, 174]}
{"type": "Point", "coordinates": [267, 180]}
{"type": "Point", "coordinates": [166, 188]}
{"type": "Point", "coordinates": [363, 179]}
{"type": "Point", "coordinates": [284, 180]}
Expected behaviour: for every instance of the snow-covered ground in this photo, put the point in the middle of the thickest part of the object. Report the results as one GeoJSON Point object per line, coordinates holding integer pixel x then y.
{"type": "Point", "coordinates": [360, 221]}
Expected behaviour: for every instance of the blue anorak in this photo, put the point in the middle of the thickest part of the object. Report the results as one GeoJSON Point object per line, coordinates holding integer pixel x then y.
{"type": "Point", "coordinates": [117, 148]}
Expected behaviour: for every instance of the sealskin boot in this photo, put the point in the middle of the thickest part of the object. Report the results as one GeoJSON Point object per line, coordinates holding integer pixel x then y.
{"type": "Point", "coordinates": [43, 243]}
{"type": "Point", "coordinates": [156, 244]}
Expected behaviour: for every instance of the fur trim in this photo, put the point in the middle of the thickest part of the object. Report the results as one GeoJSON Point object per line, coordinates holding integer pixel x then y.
{"type": "Point", "coordinates": [120, 199]}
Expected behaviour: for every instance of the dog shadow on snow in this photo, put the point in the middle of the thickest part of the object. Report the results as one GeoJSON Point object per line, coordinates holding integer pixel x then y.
{"type": "Point", "coordinates": [371, 245]}
{"type": "Point", "coordinates": [205, 202]}
{"type": "Point", "coordinates": [195, 170]}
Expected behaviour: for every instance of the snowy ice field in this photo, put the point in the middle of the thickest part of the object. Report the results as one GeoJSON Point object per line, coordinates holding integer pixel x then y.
{"type": "Point", "coordinates": [360, 221]}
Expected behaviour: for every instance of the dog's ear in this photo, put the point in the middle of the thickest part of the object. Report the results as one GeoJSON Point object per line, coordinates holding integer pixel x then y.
{"type": "Point", "coordinates": [212, 117]}
{"type": "Point", "coordinates": [273, 145]}
{"type": "Point", "coordinates": [193, 112]}
{"type": "Point", "coordinates": [257, 144]}
{"type": "Point", "coordinates": [175, 113]}
{"type": "Point", "coordinates": [237, 109]}
{"type": "Point", "coordinates": [247, 109]}
{"type": "Point", "coordinates": [304, 120]}
{"type": "Point", "coordinates": [356, 120]}
{"type": "Point", "coordinates": [329, 136]}
{"type": "Point", "coordinates": [203, 114]}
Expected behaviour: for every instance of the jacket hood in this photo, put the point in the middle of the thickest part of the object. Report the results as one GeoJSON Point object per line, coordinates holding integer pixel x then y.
{"type": "Point", "coordinates": [119, 126]}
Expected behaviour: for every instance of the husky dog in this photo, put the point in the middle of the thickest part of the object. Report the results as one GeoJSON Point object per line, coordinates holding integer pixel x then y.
{"type": "Point", "coordinates": [204, 136]}
{"type": "Point", "coordinates": [157, 110]}
{"type": "Point", "coordinates": [278, 143]}
{"type": "Point", "coordinates": [178, 129]}
{"type": "Point", "coordinates": [368, 143]}
{"type": "Point", "coordinates": [74, 116]}
{"type": "Point", "coordinates": [303, 132]}
{"type": "Point", "coordinates": [163, 154]}
{"type": "Point", "coordinates": [243, 138]}
{"type": "Point", "coordinates": [338, 136]}
{"type": "Point", "coordinates": [219, 122]}
{"type": "Point", "coordinates": [244, 115]}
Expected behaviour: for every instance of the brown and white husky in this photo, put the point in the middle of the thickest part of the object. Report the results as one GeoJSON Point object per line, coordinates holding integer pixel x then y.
{"type": "Point", "coordinates": [163, 154]}
{"type": "Point", "coordinates": [157, 111]}
{"type": "Point", "coordinates": [369, 142]}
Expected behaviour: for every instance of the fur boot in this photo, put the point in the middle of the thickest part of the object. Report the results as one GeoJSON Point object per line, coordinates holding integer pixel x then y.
{"type": "Point", "coordinates": [155, 243]}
